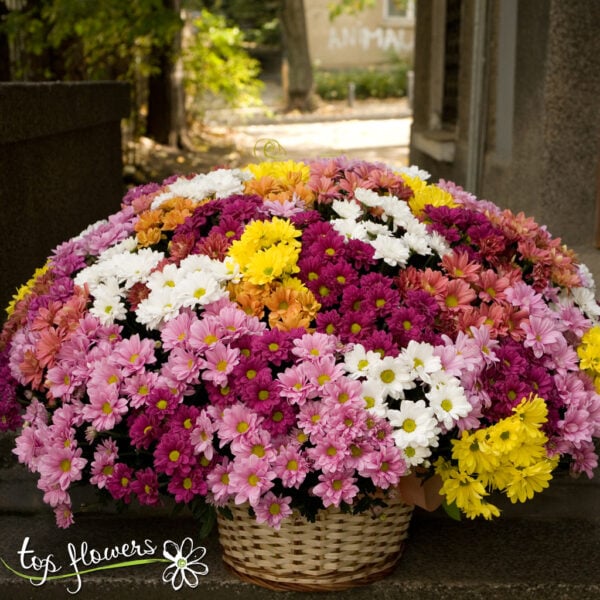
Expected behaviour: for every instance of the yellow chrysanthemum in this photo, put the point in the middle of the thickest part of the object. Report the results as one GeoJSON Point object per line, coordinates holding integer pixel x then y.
{"type": "Point", "coordinates": [293, 283]}
{"type": "Point", "coordinates": [529, 480]}
{"type": "Point", "coordinates": [528, 453]}
{"type": "Point", "coordinates": [589, 351]}
{"type": "Point", "coordinates": [271, 263]}
{"type": "Point", "coordinates": [283, 171]}
{"type": "Point", "coordinates": [482, 508]}
{"type": "Point", "coordinates": [506, 435]}
{"type": "Point", "coordinates": [267, 250]}
{"type": "Point", "coordinates": [424, 195]}
{"type": "Point", "coordinates": [25, 288]}
{"type": "Point", "coordinates": [463, 490]}
{"type": "Point", "coordinates": [474, 453]}
{"type": "Point", "coordinates": [532, 414]}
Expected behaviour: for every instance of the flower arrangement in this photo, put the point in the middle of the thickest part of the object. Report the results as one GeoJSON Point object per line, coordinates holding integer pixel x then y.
{"type": "Point", "coordinates": [299, 335]}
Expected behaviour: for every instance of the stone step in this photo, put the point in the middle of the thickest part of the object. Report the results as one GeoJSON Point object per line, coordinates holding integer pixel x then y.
{"type": "Point", "coordinates": [544, 549]}
{"type": "Point", "coordinates": [533, 559]}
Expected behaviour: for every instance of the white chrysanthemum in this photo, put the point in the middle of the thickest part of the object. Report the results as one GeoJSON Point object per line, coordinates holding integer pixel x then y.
{"type": "Point", "coordinates": [415, 227]}
{"type": "Point", "coordinates": [397, 210]}
{"type": "Point", "coordinates": [359, 360]}
{"type": "Point", "coordinates": [347, 210]}
{"type": "Point", "coordinates": [586, 300]}
{"type": "Point", "coordinates": [586, 276]}
{"type": "Point", "coordinates": [376, 229]}
{"type": "Point", "coordinates": [373, 393]}
{"type": "Point", "coordinates": [91, 276]}
{"type": "Point", "coordinates": [108, 305]}
{"type": "Point", "coordinates": [438, 244]}
{"type": "Point", "coordinates": [232, 270]}
{"type": "Point", "coordinates": [414, 171]}
{"type": "Point", "coordinates": [220, 270]}
{"type": "Point", "coordinates": [168, 277]}
{"type": "Point", "coordinates": [350, 229]}
{"type": "Point", "coordinates": [160, 306]}
{"type": "Point", "coordinates": [393, 251]}
{"type": "Point", "coordinates": [134, 267]}
{"type": "Point", "coordinates": [417, 243]}
{"type": "Point", "coordinates": [220, 184]}
{"type": "Point", "coordinates": [368, 197]}
{"type": "Point", "coordinates": [419, 361]}
{"type": "Point", "coordinates": [197, 262]}
{"type": "Point", "coordinates": [414, 424]}
{"type": "Point", "coordinates": [448, 401]}
{"type": "Point", "coordinates": [129, 244]}
{"type": "Point", "coordinates": [415, 455]}
{"type": "Point", "coordinates": [390, 373]}
{"type": "Point", "coordinates": [199, 288]}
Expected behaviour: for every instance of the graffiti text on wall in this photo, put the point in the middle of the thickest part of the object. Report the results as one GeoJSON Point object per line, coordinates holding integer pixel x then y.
{"type": "Point", "coordinates": [383, 38]}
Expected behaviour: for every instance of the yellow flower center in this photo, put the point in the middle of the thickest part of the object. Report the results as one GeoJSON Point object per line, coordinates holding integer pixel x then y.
{"type": "Point", "coordinates": [409, 425]}
{"type": "Point", "coordinates": [387, 376]}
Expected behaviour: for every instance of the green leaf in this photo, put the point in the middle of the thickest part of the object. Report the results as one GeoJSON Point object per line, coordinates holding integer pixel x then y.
{"type": "Point", "coordinates": [452, 510]}
{"type": "Point", "coordinates": [207, 523]}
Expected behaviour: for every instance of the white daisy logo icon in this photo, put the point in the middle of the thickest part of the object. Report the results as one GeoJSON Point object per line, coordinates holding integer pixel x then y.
{"type": "Point", "coordinates": [185, 564]}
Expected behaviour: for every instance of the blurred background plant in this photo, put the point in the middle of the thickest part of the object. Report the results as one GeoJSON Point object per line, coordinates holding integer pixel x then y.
{"type": "Point", "coordinates": [389, 81]}
{"type": "Point", "coordinates": [181, 57]}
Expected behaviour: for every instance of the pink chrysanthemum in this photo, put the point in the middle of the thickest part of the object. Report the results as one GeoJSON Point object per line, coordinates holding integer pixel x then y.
{"type": "Point", "coordinates": [272, 509]}
{"type": "Point", "coordinates": [335, 488]}
{"type": "Point", "coordinates": [250, 478]}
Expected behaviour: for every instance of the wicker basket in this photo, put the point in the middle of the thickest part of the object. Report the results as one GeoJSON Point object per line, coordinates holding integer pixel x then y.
{"type": "Point", "coordinates": [336, 552]}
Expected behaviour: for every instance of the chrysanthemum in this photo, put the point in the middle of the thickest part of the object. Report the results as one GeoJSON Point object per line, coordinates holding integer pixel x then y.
{"type": "Point", "coordinates": [145, 487]}
{"type": "Point", "coordinates": [393, 251]}
{"type": "Point", "coordinates": [391, 374]}
{"type": "Point", "coordinates": [358, 361]}
{"type": "Point", "coordinates": [198, 288]}
{"type": "Point", "coordinates": [449, 401]}
{"type": "Point", "coordinates": [236, 421]}
{"type": "Point", "coordinates": [219, 361]}
{"type": "Point", "coordinates": [108, 304]}
{"type": "Point", "coordinates": [61, 465]}
{"type": "Point", "coordinates": [419, 361]}
{"type": "Point", "coordinates": [384, 467]}
{"type": "Point", "coordinates": [272, 509]}
{"type": "Point", "coordinates": [527, 481]}
{"type": "Point", "coordinates": [542, 334]}
{"type": "Point", "coordinates": [105, 409]}
{"type": "Point", "coordinates": [335, 488]}
{"type": "Point", "coordinates": [462, 489]}
{"type": "Point", "coordinates": [189, 485]}
{"type": "Point", "coordinates": [414, 424]}
{"type": "Point", "coordinates": [328, 454]}
{"type": "Point", "coordinates": [133, 353]}
{"type": "Point", "coordinates": [291, 465]}
{"type": "Point", "coordinates": [249, 479]}
{"type": "Point", "coordinates": [172, 454]}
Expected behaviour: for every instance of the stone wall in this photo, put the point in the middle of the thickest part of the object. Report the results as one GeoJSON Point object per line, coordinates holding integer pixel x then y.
{"type": "Point", "coordinates": [60, 168]}
{"type": "Point", "coordinates": [360, 40]}
{"type": "Point", "coordinates": [540, 150]}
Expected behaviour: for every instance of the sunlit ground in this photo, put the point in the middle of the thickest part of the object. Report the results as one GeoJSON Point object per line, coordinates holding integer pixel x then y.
{"type": "Point", "coordinates": [384, 140]}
